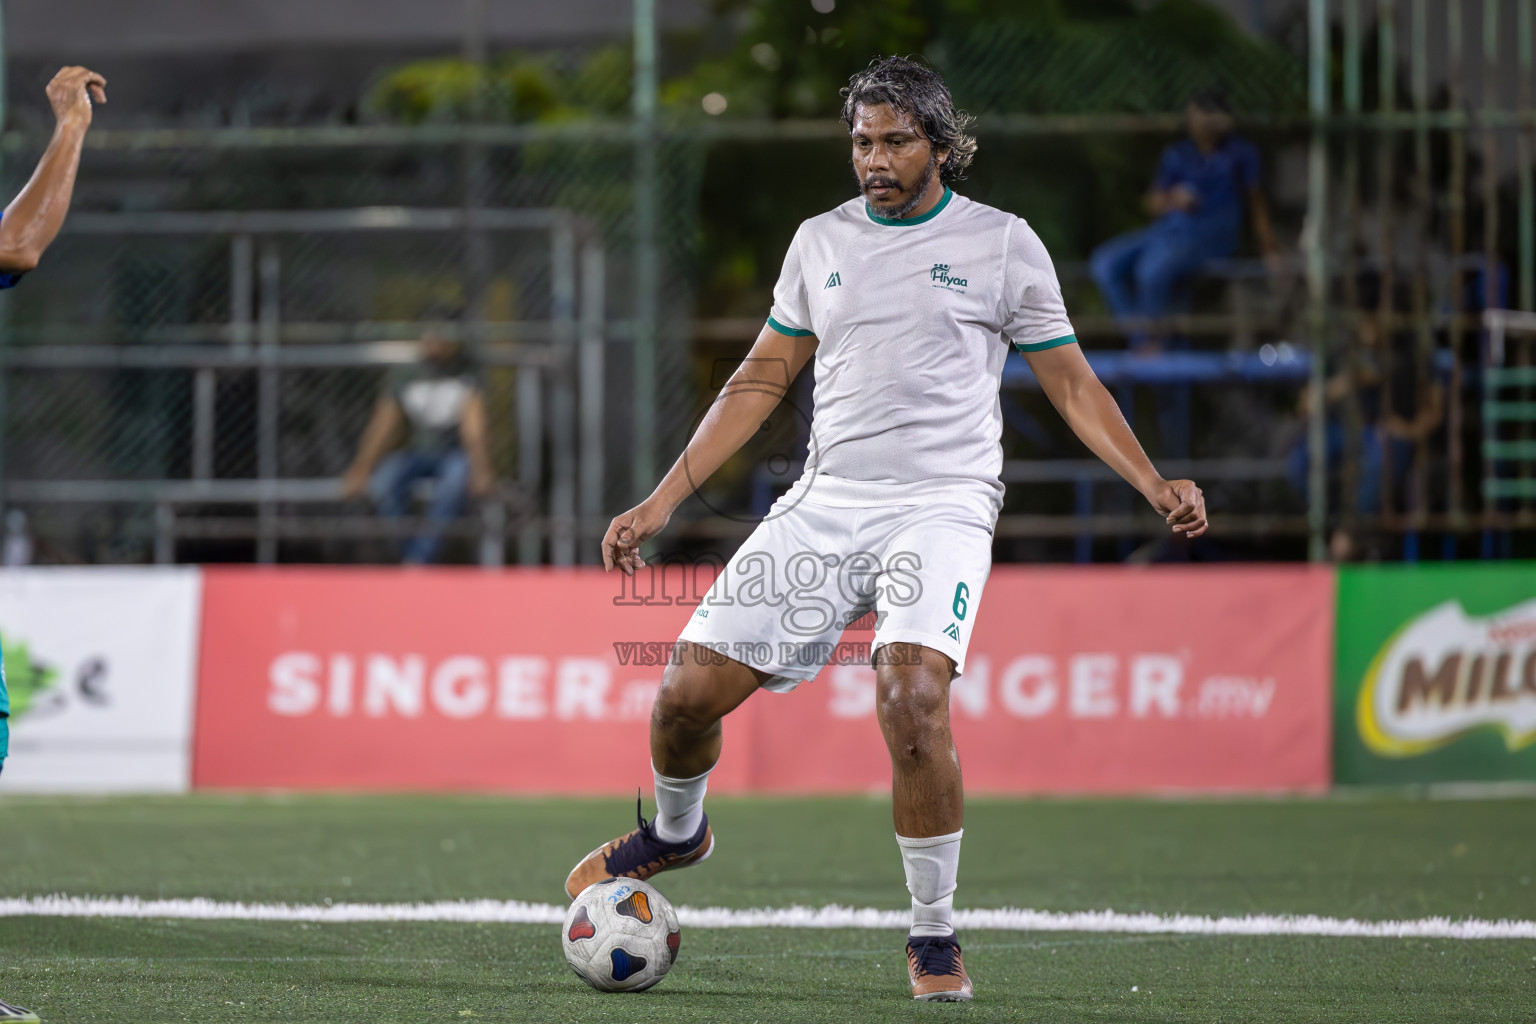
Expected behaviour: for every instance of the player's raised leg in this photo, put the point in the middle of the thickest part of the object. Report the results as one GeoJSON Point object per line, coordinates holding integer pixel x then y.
{"type": "Point", "coordinates": [698, 689]}
{"type": "Point", "coordinates": [927, 801]}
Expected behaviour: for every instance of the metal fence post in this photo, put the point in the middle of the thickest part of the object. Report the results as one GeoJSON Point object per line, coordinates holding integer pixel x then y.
{"type": "Point", "coordinates": [205, 381]}
{"type": "Point", "coordinates": [1315, 237]}
{"type": "Point", "coordinates": [1456, 213]}
{"type": "Point", "coordinates": [562, 397]}
{"type": "Point", "coordinates": [165, 534]}
{"type": "Point", "coordinates": [646, 272]}
{"type": "Point", "coordinates": [493, 533]}
{"type": "Point", "coordinates": [1523, 163]}
{"type": "Point", "coordinates": [593, 368]}
{"type": "Point", "coordinates": [267, 399]}
{"type": "Point", "coordinates": [530, 459]}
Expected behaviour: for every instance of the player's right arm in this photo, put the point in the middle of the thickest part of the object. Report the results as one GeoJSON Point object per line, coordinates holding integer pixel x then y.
{"type": "Point", "coordinates": [747, 399]}
{"type": "Point", "coordinates": [32, 220]}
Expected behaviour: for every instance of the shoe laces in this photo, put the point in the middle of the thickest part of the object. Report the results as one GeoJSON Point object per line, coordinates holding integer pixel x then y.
{"type": "Point", "coordinates": [639, 847]}
{"type": "Point", "coordinates": [936, 955]}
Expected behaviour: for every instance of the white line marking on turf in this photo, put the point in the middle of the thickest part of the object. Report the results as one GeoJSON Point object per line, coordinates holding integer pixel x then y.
{"type": "Point", "coordinates": [1003, 919]}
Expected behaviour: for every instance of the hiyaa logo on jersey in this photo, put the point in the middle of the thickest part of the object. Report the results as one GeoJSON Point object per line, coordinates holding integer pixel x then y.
{"type": "Point", "coordinates": [1447, 673]}
{"type": "Point", "coordinates": [942, 278]}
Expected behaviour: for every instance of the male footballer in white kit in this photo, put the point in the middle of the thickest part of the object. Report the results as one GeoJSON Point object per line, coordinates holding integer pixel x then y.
{"type": "Point", "coordinates": [908, 297]}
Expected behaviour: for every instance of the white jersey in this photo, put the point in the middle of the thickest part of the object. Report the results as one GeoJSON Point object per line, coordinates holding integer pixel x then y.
{"type": "Point", "coordinates": [913, 319]}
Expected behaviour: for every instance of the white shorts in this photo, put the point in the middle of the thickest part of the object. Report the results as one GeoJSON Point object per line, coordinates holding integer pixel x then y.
{"type": "Point", "coordinates": [910, 573]}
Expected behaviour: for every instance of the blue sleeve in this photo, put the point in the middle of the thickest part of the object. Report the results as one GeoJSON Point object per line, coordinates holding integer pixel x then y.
{"type": "Point", "coordinates": [1168, 171]}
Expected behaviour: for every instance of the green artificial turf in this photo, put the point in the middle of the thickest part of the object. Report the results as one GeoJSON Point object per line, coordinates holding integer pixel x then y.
{"type": "Point", "coordinates": [1374, 858]}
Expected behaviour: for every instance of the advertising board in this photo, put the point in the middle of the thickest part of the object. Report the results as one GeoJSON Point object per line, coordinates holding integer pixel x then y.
{"type": "Point", "coordinates": [1436, 673]}
{"type": "Point", "coordinates": [99, 664]}
{"type": "Point", "coordinates": [1104, 680]}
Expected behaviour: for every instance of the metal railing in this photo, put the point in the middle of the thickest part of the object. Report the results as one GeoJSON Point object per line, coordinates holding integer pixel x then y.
{"type": "Point", "coordinates": [559, 366]}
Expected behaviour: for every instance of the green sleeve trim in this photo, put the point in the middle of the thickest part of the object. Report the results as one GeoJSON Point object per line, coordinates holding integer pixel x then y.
{"type": "Point", "coordinates": [1041, 346]}
{"type": "Point", "coordinates": [791, 331]}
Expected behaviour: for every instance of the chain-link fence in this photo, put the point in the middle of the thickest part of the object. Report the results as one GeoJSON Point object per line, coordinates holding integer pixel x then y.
{"type": "Point", "coordinates": [190, 373]}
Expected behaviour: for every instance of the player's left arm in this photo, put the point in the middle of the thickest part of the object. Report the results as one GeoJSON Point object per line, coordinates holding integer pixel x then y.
{"type": "Point", "coordinates": [1073, 388]}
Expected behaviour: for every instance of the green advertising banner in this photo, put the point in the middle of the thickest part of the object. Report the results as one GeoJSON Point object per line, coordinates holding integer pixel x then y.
{"type": "Point", "coordinates": [1436, 673]}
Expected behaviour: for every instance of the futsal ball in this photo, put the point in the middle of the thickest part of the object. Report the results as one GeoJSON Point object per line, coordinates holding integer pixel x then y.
{"type": "Point", "coordinates": [621, 935]}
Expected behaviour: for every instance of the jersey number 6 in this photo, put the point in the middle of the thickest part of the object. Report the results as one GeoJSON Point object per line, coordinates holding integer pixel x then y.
{"type": "Point", "coordinates": [961, 593]}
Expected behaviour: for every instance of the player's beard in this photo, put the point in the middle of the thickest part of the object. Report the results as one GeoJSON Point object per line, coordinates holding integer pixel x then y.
{"type": "Point", "coordinates": [919, 189]}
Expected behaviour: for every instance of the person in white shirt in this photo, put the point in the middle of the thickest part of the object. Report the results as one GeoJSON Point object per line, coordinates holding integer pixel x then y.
{"type": "Point", "coordinates": [907, 297]}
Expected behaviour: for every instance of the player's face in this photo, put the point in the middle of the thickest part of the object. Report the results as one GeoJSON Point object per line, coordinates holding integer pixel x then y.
{"type": "Point", "coordinates": [894, 162]}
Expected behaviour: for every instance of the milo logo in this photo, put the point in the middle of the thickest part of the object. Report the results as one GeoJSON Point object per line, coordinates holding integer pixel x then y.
{"type": "Point", "coordinates": [1446, 673]}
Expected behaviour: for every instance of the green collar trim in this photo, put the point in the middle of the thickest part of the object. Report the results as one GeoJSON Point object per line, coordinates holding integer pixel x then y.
{"type": "Point", "coordinates": [907, 222]}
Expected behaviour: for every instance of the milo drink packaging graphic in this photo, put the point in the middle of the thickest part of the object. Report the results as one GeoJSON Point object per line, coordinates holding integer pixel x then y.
{"type": "Point", "coordinates": [1436, 674]}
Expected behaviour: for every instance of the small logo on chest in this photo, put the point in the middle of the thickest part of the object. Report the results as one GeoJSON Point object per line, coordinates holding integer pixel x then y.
{"type": "Point", "coordinates": [834, 281]}
{"type": "Point", "coordinates": [942, 278]}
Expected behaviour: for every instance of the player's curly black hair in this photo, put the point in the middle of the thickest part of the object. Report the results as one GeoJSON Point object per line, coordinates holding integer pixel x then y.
{"type": "Point", "coordinates": [916, 90]}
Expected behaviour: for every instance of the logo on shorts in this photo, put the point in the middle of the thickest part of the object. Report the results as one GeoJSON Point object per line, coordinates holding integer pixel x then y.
{"type": "Point", "coordinates": [953, 632]}
{"type": "Point", "coordinates": [941, 278]}
{"type": "Point", "coordinates": [834, 281]}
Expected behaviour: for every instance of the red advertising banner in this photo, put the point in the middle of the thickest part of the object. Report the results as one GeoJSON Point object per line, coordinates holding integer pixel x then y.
{"type": "Point", "coordinates": [1078, 679]}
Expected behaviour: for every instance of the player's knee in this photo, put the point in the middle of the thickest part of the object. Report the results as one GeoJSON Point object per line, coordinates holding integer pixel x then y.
{"type": "Point", "coordinates": [915, 709]}
{"type": "Point", "coordinates": [681, 707]}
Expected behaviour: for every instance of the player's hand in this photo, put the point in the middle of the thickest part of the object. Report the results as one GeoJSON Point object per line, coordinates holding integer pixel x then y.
{"type": "Point", "coordinates": [1182, 197]}
{"type": "Point", "coordinates": [621, 544]}
{"type": "Point", "coordinates": [1182, 504]}
{"type": "Point", "coordinates": [72, 92]}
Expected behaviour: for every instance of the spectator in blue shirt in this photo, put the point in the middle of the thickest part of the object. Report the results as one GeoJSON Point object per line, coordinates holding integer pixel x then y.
{"type": "Point", "coordinates": [29, 225]}
{"type": "Point", "coordinates": [1203, 186]}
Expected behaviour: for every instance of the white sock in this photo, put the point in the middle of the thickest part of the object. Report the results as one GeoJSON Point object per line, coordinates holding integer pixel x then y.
{"type": "Point", "coordinates": [679, 806]}
{"type": "Point", "coordinates": [933, 865]}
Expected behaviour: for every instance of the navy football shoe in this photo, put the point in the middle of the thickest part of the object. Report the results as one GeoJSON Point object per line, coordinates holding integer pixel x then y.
{"type": "Point", "coordinates": [640, 854]}
{"type": "Point", "coordinates": [937, 973]}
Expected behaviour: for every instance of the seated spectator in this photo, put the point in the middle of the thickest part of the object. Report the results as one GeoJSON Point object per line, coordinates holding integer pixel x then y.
{"type": "Point", "coordinates": [1401, 406]}
{"type": "Point", "coordinates": [440, 403]}
{"type": "Point", "coordinates": [1203, 185]}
